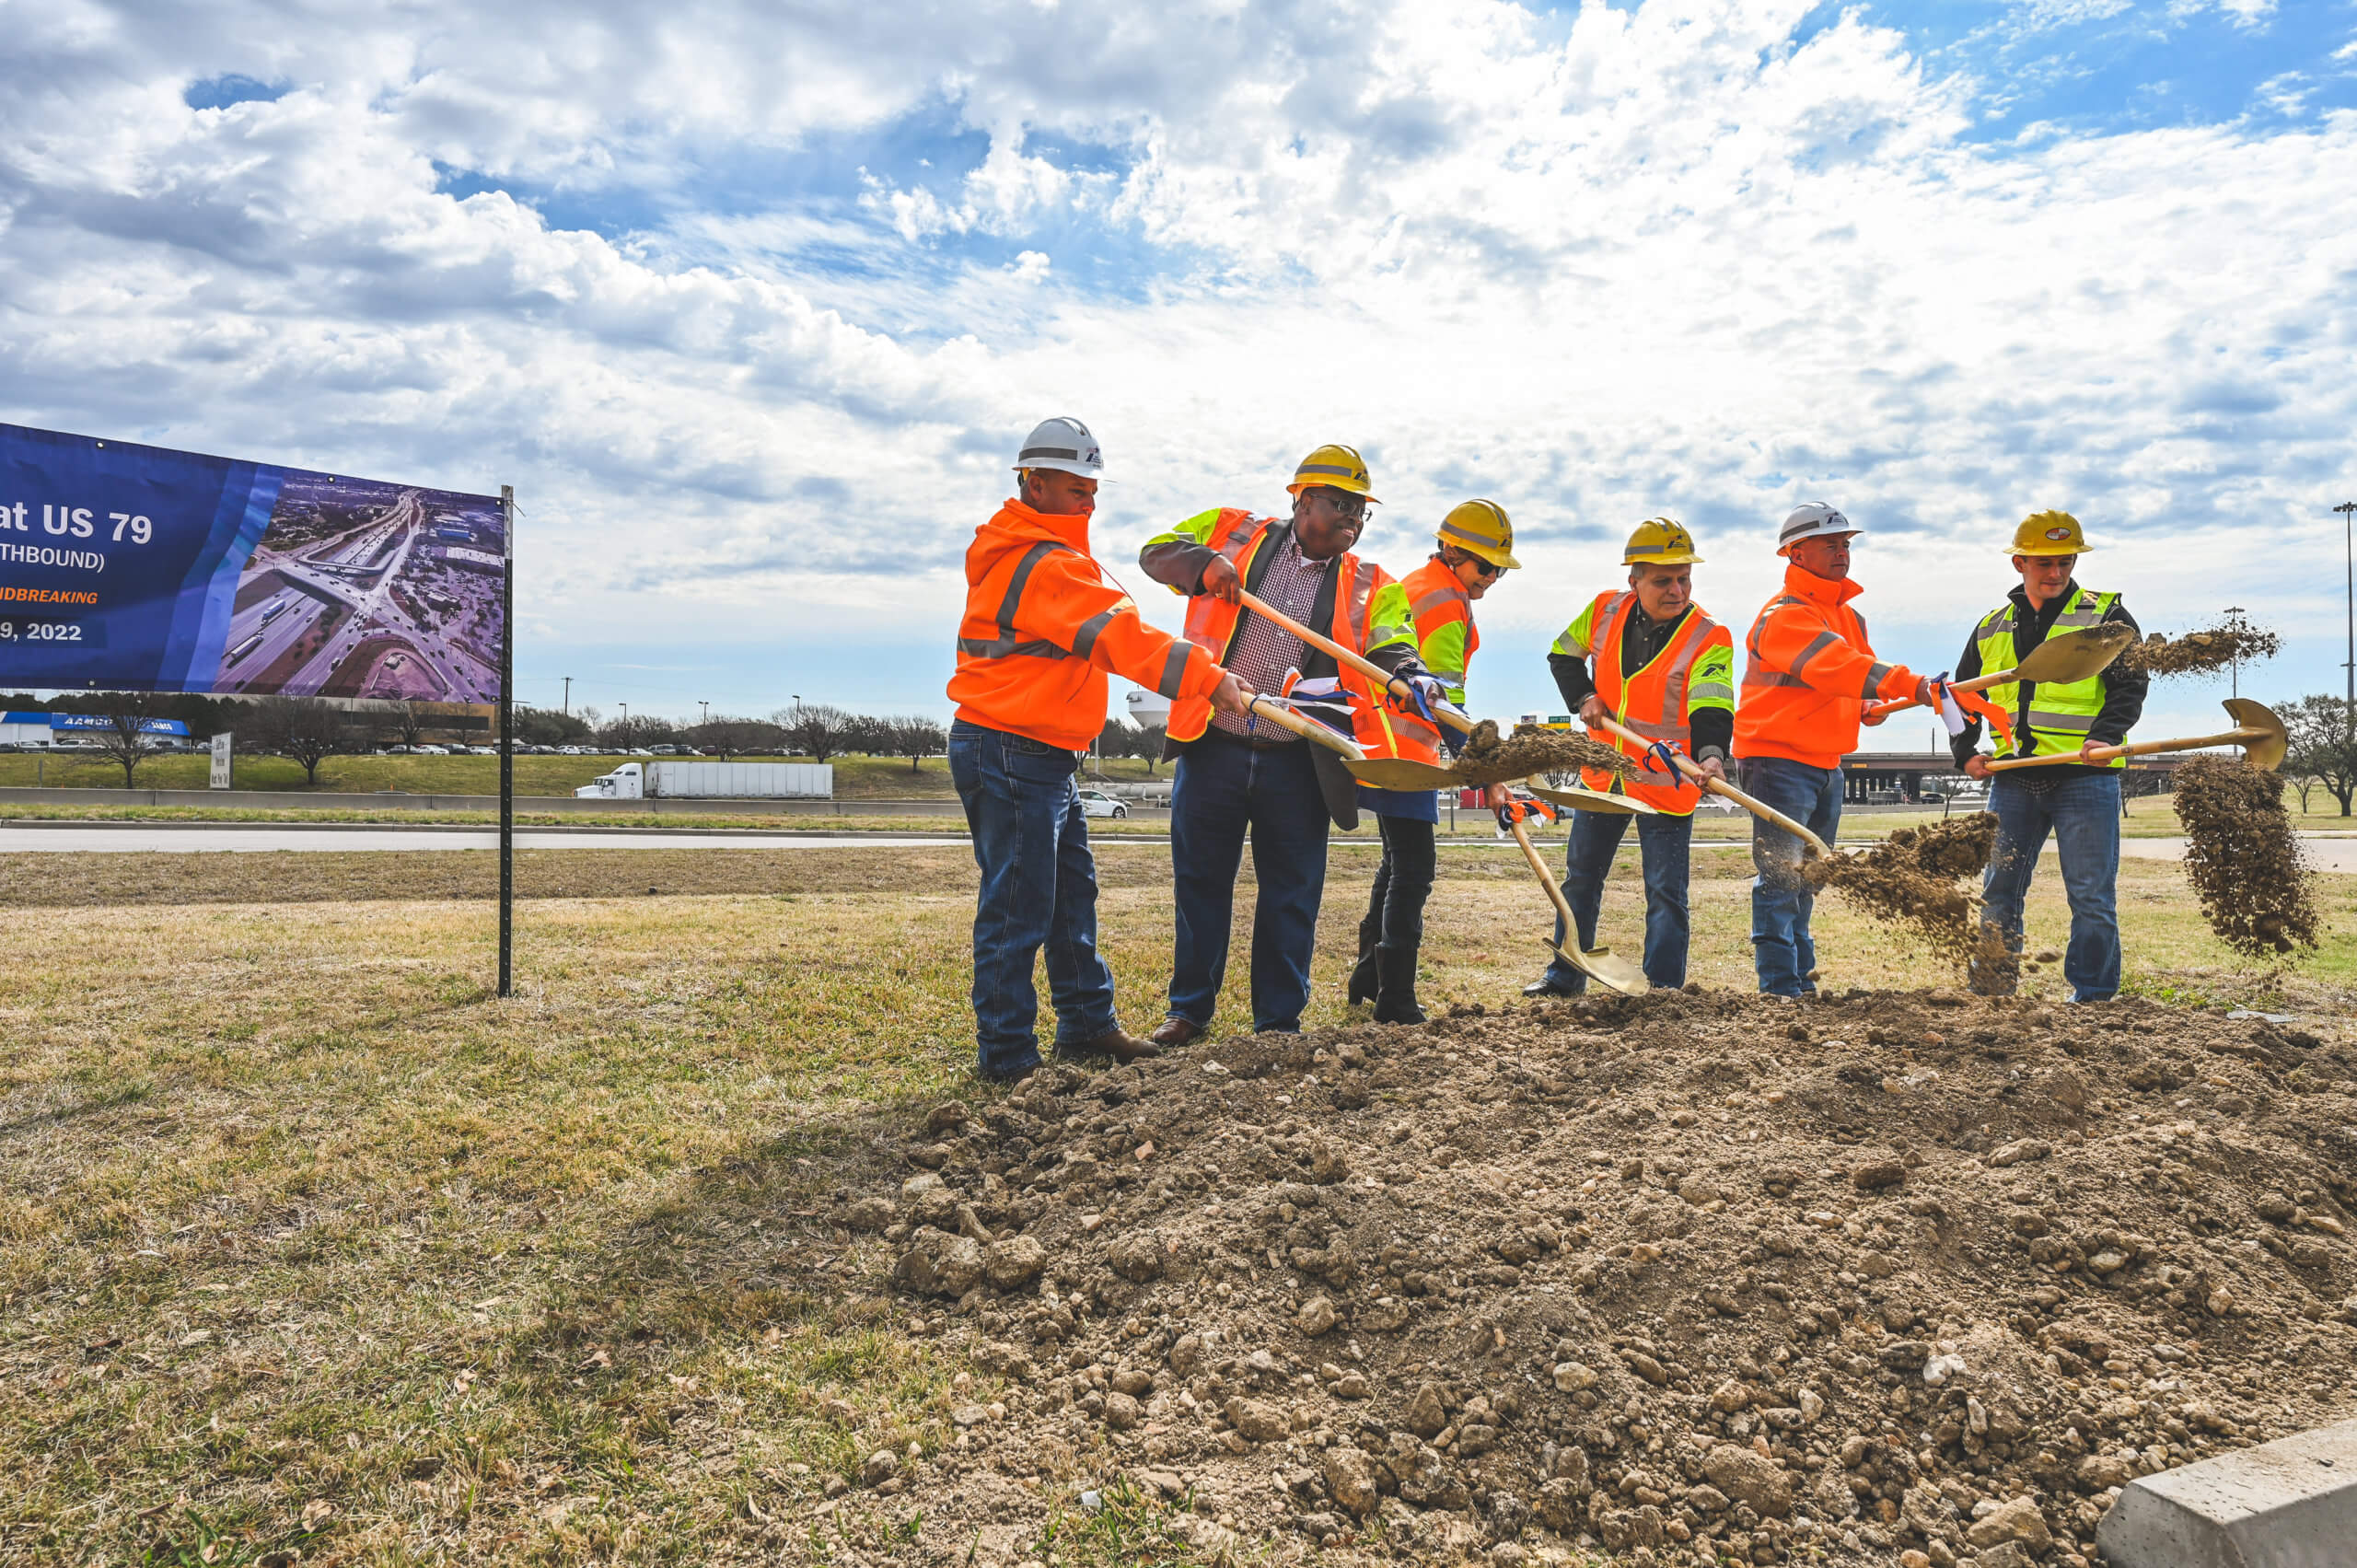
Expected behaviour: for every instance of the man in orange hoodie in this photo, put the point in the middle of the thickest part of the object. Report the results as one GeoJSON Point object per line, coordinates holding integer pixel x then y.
{"type": "Point", "coordinates": [1042, 626]}
{"type": "Point", "coordinates": [1809, 674]}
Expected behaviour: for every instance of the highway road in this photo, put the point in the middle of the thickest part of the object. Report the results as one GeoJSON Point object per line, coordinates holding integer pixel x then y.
{"type": "Point", "coordinates": [2326, 852]}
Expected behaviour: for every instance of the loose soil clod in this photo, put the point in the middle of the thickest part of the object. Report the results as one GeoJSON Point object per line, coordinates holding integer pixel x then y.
{"type": "Point", "coordinates": [2256, 891]}
{"type": "Point", "coordinates": [1489, 757]}
{"type": "Point", "coordinates": [2198, 652]}
{"type": "Point", "coordinates": [1683, 1279]}
{"type": "Point", "coordinates": [1911, 879]}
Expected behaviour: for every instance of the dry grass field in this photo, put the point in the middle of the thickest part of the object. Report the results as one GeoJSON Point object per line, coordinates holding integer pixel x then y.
{"type": "Point", "coordinates": [310, 1245]}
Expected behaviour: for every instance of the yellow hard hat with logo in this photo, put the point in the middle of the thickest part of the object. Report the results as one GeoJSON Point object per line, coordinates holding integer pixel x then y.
{"type": "Point", "coordinates": [1661, 541]}
{"type": "Point", "coordinates": [2048, 533]}
{"type": "Point", "coordinates": [1333, 464]}
{"type": "Point", "coordinates": [1479, 527]}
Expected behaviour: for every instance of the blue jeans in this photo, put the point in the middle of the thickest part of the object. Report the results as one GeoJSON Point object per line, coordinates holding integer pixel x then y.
{"type": "Point", "coordinates": [1226, 788]}
{"type": "Point", "coordinates": [1663, 844]}
{"type": "Point", "coordinates": [1038, 890]}
{"type": "Point", "coordinates": [1781, 901]}
{"type": "Point", "coordinates": [2083, 813]}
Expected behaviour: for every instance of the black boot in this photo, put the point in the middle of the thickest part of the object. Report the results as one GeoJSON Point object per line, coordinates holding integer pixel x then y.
{"type": "Point", "coordinates": [1364, 979]}
{"type": "Point", "coordinates": [1395, 1000]}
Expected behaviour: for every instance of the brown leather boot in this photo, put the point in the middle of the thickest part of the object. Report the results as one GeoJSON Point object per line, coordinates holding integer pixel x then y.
{"type": "Point", "coordinates": [1176, 1032]}
{"type": "Point", "coordinates": [1115, 1043]}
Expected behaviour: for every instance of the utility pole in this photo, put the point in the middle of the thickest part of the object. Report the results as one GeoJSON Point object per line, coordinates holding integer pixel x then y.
{"type": "Point", "coordinates": [568, 694]}
{"type": "Point", "coordinates": [2347, 510]}
{"type": "Point", "coordinates": [2234, 669]}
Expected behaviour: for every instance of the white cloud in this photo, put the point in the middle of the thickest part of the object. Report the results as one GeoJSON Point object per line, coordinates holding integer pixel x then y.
{"type": "Point", "coordinates": [1601, 267]}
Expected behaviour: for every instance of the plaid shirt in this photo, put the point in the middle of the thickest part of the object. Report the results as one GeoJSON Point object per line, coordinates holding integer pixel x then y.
{"type": "Point", "coordinates": [1264, 651]}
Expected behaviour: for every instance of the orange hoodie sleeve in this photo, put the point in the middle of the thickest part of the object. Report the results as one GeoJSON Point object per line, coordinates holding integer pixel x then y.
{"type": "Point", "coordinates": [1067, 602]}
{"type": "Point", "coordinates": [1798, 642]}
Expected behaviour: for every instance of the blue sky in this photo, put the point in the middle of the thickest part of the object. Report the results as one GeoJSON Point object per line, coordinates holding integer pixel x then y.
{"type": "Point", "coordinates": [752, 308]}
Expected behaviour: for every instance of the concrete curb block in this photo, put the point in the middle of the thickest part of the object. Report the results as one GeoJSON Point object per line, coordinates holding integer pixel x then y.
{"type": "Point", "coordinates": [2289, 1503]}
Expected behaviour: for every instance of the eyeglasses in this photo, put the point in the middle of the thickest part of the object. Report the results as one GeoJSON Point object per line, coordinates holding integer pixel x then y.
{"type": "Point", "coordinates": [1343, 501]}
{"type": "Point", "coordinates": [1484, 568]}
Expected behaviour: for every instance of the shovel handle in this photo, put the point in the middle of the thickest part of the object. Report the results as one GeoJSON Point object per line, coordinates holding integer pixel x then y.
{"type": "Point", "coordinates": [2136, 749]}
{"type": "Point", "coordinates": [1546, 878]}
{"type": "Point", "coordinates": [1709, 785]}
{"type": "Point", "coordinates": [1317, 733]}
{"type": "Point", "coordinates": [1446, 713]}
{"type": "Point", "coordinates": [1875, 710]}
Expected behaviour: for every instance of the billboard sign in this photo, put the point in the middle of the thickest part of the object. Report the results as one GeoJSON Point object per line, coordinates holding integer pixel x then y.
{"type": "Point", "coordinates": [125, 567]}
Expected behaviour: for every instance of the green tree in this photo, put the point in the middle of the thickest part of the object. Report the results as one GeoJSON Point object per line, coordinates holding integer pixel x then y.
{"type": "Point", "coordinates": [2321, 747]}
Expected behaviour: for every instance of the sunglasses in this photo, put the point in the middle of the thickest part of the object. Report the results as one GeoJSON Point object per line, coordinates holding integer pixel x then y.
{"type": "Point", "coordinates": [1484, 568]}
{"type": "Point", "coordinates": [1343, 501]}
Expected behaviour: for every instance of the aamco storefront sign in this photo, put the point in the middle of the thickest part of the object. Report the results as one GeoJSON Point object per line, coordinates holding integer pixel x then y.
{"type": "Point", "coordinates": [51, 729]}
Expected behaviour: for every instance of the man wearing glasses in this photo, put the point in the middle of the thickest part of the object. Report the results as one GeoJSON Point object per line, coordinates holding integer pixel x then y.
{"type": "Point", "coordinates": [1236, 777]}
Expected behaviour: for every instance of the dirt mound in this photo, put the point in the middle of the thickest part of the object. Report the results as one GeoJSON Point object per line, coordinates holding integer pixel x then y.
{"type": "Point", "coordinates": [2198, 652]}
{"type": "Point", "coordinates": [1695, 1278]}
{"type": "Point", "coordinates": [1489, 757]}
{"type": "Point", "coordinates": [2257, 893]}
{"type": "Point", "coordinates": [1911, 880]}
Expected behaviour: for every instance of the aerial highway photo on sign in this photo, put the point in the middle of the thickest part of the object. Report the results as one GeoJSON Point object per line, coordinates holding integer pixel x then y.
{"type": "Point", "coordinates": [366, 589]}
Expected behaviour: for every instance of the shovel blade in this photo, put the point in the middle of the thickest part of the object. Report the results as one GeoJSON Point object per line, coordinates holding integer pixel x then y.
{"type": "Point", "coordinates": [1600, 965]}
{"type": "Point", "coordinates": [2075, 656]}
{"type": "Point", "coordinates": [1400, 773]}
{"type": "Point", "coordinates": [1581, 798]}
{"type": "Point", "coordinates": [2265, 751]}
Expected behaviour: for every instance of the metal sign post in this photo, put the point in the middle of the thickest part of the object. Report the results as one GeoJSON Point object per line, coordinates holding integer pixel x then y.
{"type": "Point", "coordinates": [508, 741]}
{"type": "Point", "coordinates": [221, 743]}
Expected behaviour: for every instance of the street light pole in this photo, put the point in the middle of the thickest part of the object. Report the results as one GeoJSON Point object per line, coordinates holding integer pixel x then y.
{"type": "Point", "coordinates": [2235, 668]}
{"type": "Point", "coordinates": [2347, 510]}
{"type": "Point", "coordinates": [568, 694]}
{"type": "Point", "coordinates": [707, 709]}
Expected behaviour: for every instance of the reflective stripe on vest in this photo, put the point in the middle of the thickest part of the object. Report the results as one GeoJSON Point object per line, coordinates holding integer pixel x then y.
{"type": "Point", "coordinates": [1006, 646]}
{"type": "Point", "coordinates": [1668, 720]}
{"type": "Point", "coordinates": [1756, 678]}
{"type": "Point", "coordinates": [2060, 716]}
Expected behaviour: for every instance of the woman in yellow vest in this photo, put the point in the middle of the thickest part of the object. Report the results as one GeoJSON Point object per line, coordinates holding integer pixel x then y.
{"type": "Point", "coordinates": [1665, 670]}
{"type": "Point", "coordinates": [2077, 802]}
{"type": "Point", "coordinates": [1474, 548]}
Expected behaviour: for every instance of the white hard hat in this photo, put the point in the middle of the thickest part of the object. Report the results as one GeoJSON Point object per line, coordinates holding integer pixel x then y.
{"type": "Point", "coordinates": [1812, 520]}
{"type": "Point", "coordinates": [1065, 445]}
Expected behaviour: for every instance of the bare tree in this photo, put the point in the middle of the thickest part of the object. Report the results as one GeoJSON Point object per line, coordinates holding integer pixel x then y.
{"type": "Point", "coordinates": [405, 722]}
{"type": "Point", "coordinates": [816, 730]}
{"type": "Point", "coordinates": [917, 737]}
{"type": "Point", "coordinates": [127, 738]}
{"type": "Point", "coordinates": [734, 737]}
{"type": "Point", "coordinates": [309, 729]}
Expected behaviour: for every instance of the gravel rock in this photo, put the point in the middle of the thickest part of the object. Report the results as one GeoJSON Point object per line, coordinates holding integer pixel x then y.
{"type": "Point", "coordinates": [1316, 1317]}
{"type": "Point", "coordinates": [1121, 1412]}
{"type": "Point", "coordinates": [881, 1467]}
{"type": "Point", "coordinates": [1425, 1415]}
{"type": "Point", "coordinates": [1014, 1261]}
{"type": "Point", "coordinates": [2016, 1520]}
{"type": "Point", "coordinates": [1350, 1477]}
{"type": "Point", "coordinates": [1258, 1420]}
{"type": "Point", "coordinates": [1135, 1257]}
{"type": "Point", "coordinates": [937, 1264]}
{"type": "Point", "coordinates": [1751, 1479]}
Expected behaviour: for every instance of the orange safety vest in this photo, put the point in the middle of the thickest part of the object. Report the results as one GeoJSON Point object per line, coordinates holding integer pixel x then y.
{"type": "Point", "coordinates": [1436, 598]}
{"type": "Point", "coordinates": [1653, 701]}
{"type": "Point", "coordinates": [1381, 729]}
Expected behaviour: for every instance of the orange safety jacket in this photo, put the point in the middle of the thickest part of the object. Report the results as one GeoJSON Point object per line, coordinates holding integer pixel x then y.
{"type": "Point", "coordinates": [1438, 601]}
{"type": "Point", "coordinates": [1653, 701]}
{"type": "Point", "coordinates": [1042, 626]}
{"type": "Point", "coordinates": [1378, 725]}
{"type": "Point", "coordinates": [1808, 674]}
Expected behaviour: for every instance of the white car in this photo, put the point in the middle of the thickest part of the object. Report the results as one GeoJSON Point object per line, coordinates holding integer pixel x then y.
{"type": "Point", "coordinates": [1096, 803]}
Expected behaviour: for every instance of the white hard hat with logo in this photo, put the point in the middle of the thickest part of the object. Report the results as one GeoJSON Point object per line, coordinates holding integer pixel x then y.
{"type": "Point", "coordinates": [1065, 445]}
{"type": "Point", "coordinates": [1812, 520]}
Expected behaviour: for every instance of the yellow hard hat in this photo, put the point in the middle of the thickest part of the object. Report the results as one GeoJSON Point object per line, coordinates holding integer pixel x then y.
{"type": "Point", "coordinates": [2048, 533]}
{"type": "Point", "coordinates": [1661, 541]}
{"type": "Point", "coordinates": [1333, 464]}
{"type": "Point", "coordinates": [1479, 527]}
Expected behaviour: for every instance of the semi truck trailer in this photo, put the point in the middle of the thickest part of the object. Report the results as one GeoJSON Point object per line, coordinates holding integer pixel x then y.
{"type": "Point", "coordinates": [714, 781]}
